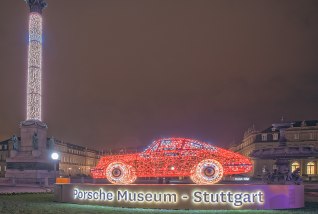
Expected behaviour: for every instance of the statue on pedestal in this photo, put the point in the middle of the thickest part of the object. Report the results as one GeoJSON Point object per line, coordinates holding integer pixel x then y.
{"type": "Point", "coordinates": [50, 143]}
{"type": "Point", "coordinates": [15, 142]}
{"type": "Point", "coordinates": [35, 141]}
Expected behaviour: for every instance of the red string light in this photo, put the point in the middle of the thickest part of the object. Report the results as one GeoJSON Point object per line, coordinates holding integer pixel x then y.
{"type": "Point", "coordinates": [173, 157]}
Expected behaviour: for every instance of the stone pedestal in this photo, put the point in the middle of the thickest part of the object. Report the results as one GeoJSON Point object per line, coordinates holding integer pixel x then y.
{"type": "Point", "coordinates": [32, 159]}
{"type": "Point", "coordinates": [282, 165]}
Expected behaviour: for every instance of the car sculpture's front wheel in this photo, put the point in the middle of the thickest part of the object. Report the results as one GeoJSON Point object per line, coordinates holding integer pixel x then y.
{"type": "Point", "coordinates": [208, 171]}
{"type": "Point", "coordinates": [120, 173]}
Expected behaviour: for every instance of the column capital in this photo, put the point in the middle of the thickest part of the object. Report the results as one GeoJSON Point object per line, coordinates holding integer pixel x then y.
{"type": "Point", "coordinates": [36, 5]}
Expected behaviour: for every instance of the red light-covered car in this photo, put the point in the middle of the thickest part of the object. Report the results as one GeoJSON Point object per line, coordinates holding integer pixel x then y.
{"type": "Point", "coordinates": [173, 157]}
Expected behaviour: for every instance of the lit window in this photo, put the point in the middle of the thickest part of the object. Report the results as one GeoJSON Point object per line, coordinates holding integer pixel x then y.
{"type": "Point", "coordinates": [275, 136]}
{"type": "Point", "coordinates": [0, 169]}
{"type": "Point", "coordinates": [310, 168]}
{"type": "Point", "coordinates": [264, 137]}
{"type": "Point", "coordinates": [294, 166]}
{"type": "Point", "coordinates": [311, 136]}
{"type": "Point", "coordinates": [5, 168]}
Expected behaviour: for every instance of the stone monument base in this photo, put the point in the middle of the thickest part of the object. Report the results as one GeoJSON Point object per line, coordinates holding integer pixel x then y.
{"type": "Point", "coordinates": [29, 176]}
{"type": "Point", "coordinates": [30, 170]}
{"type": "Point", "coordinates": [30, 159]}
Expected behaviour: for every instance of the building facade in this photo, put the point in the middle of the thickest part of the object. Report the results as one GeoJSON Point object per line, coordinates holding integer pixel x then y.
{"type": "Point", "coordinates": [301, 137]}
{"type": "Point", "coordinates": [4, 153]}
{"type": "Point", "coordinates": [74, 160]}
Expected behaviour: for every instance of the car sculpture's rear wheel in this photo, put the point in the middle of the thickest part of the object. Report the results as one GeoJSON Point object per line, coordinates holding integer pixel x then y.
{"type": "Point", "coordinates": [207, 172]}
{"type": "Point", "coordinates": [120, 173]}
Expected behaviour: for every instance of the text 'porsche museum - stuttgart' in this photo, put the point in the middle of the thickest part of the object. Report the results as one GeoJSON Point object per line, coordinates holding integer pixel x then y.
{"type": "Point", "coordinates": [173, 157]}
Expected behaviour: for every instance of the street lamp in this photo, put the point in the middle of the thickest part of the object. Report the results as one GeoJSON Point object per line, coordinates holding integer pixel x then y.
{"type": "Point", "coordinates": [55, 157]}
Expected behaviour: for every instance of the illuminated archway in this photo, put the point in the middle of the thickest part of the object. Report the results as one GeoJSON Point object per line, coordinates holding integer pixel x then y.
{"type": "Point", "coordinates": [295, 165]}
{"type": "Point", "coordinates": [310, 168]}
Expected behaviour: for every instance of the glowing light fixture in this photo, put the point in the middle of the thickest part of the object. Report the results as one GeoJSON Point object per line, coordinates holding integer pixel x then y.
{"type": "Point", "coordinates": [55, 156]}
{"type": "Point", "coordinates": [34, 87]}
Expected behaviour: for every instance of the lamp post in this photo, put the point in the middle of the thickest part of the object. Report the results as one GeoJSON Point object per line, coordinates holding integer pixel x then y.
{"type": "Point", "coordinates": [55, 157]}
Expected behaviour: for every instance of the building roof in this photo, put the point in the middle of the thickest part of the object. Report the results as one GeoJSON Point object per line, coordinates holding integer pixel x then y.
{"type": "Point", "coordinates": [293, 124]}
{"type": "Point", "coordinates": [305, 123]}
{"type": "Point", "coordinates": [74, 146]}
{"type": "Point", "coordinates": [5, 141]}
{"type": "Point", "coordinates": [69, 145]}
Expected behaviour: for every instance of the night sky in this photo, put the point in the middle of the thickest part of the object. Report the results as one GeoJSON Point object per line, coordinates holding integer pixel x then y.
{"type": "Point", "coordinates": [123, 73]}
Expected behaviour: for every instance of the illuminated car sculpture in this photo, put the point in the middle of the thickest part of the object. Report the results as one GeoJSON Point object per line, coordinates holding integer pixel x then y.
{"type": "Point", "coordinates": [173, 157]}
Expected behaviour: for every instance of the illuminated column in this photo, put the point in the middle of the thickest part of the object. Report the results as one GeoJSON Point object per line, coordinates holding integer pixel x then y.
{"type": "Point", "coordinates": [32, 152]}
{"type": "Point", "coordinates": [34, 89]}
